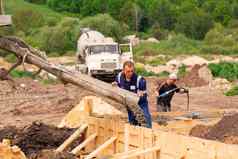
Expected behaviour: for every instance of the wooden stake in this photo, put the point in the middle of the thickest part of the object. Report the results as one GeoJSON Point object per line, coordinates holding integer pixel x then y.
{"type": "Point", "coordinates": [101, 148]}
{"type": "Point", "coordinates": [77, 149]}
{"type": "Point", "coordinates": [88, 106]}
{"type": "Point", "coordinates": [73, 137]}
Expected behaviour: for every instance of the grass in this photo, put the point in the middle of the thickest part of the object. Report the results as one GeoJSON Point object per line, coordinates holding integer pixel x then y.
{"type": "Point", "coordinates": [20, 74]}
{"type": "Point", "coordinates": [13, 5]}
{"type": "Point", "coordinates": [232, 92]}
{"type": "Point", "coordinates": [143, 72]}
{"type": "Point", "coordinates": [178, 45]}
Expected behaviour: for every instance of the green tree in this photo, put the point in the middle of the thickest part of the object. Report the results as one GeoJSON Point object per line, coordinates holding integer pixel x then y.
{"type": "Point", "coordinates": [105, 24]}
{"type": "Point", "coordinates": [62, 5]}
{"type": "Point", "coordinates": [61, 38]}
{"type": "Point", "coordinates": [163, 13]}
{"type": "Point", "coordinates": [131, 14]}
{"type": "Point", "coordinates": [27, 19]}
{"type": "Point", "coordinates": [194, 24]}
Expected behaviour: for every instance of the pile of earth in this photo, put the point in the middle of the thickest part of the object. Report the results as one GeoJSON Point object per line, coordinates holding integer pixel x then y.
{"type": "Point", "coordinates": [226, 130]}
{"type": "Point", "coordinates": [192, 78]}
{"type": "Point", "coordinates": [35, 138]}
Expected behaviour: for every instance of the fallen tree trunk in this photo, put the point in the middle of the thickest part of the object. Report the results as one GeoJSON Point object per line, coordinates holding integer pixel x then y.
{"type": "Point", "coordinates": [23, 51]}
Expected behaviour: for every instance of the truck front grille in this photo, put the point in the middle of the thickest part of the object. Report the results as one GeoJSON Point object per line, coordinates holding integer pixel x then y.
{"type": "Point", "coordinates": [108, 65]}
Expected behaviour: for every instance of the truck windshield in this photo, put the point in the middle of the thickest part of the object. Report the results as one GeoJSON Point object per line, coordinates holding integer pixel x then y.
{"type": "Point", "coordinates": [104, 48]}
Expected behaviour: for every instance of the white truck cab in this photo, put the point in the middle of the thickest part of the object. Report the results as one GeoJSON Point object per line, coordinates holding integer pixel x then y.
{"type": "Point", "coordinates": [102, 56]}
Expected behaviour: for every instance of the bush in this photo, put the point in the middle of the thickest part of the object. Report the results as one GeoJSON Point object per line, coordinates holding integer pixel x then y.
{"type": "Point", "coordinates": [232, 92]}
{"type": "Point", "coordinates": [227, 70]}
{"type": "Point", "coordinates": [37, 1]}
{"type": "Point", "coordinates": [105, 24]}
{"type": "Point", "coordinates": [27, 19]}
{"type": "Point", "coordinates": [61, 38]}
{"type": "Point", "coordinates": [182, 71]}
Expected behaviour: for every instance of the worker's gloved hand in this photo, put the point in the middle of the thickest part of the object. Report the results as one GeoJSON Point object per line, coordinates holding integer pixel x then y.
{"type": "Point", "coordinates": [183, 90]}
{"type": "Point", "coordinates": [141, 93]}
{"type": "Point", "coordinates": [157, 93]}
{"type": "Point", "coordinates": [114, 84]}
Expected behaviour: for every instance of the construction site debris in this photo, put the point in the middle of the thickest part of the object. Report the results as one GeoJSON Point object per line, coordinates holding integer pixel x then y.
{"type": "Point", "coordinates": [37, 136]}
{"type": "Point", "coordinates": [226, 130]}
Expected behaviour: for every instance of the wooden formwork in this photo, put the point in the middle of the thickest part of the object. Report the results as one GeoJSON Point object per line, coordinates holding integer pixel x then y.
{"type": "Point", "coordinates": [127, 141]}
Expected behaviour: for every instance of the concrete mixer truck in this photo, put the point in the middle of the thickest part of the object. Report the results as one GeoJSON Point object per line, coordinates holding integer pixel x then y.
{"type": "Point", "coordinates": [99, 56]}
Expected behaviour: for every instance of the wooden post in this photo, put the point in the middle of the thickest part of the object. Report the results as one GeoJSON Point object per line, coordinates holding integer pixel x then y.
{"type": "Point", "coordinates": [88, 106]}
{"type": "Point", "coordinates": [101, 148]}
{"type": "Point", "coordinates": [77, 149]}
{"type": "Point", "coordinates": [73, 137]}
{"type": "Point", "coordinates": [2, 7]}
{"type": "Point", "coordinates": [126, 137]}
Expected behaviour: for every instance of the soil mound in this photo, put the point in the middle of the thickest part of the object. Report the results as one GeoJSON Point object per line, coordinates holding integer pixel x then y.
{"type": "Point", "coordinates": [38, 136]}
{"type": "Point", "coordinates": [226, 130]}
{"type": "Point", "coordinates": [192, 78]}
{"type": "Point", "coordinates": [50, 154]}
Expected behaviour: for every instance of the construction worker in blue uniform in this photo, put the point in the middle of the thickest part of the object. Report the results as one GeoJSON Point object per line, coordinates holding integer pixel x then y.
{"type": "Point", "coordinates": [129, 80]}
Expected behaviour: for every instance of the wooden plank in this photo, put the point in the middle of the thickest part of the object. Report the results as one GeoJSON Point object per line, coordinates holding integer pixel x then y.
{"type": "Point", "coordinates": [77, 149]}
{"type": "Point", "coordinates": [88, 106]}
{"type": "Point", "coordinates": [126, 138]}
{"type": "Point", "coordinates": [73, 137]}
{"type": "Point", "coordinates": [101, 148]}
{"type": "Point", "coordinates": [171, 144]}
{"type": "Point", "coordinates": [139, 153]}
{"type": "Point", "coordinates": [117, 155]}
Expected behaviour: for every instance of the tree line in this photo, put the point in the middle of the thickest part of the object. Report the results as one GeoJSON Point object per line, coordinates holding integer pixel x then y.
{"type": "Point", "coordinates": [194, 18]}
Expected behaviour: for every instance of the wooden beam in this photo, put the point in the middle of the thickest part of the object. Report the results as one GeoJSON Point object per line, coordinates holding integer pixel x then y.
{"type": "Point", "coordinates": [73, 137]}
{"type": "Point", "coordinates": [101, 148]}
{"type": "Point", "coordinates": [138, 153]}
{"type": "Point", "coordinates": [77, 149]}
{"type": "Point", "coordinates": [117, 155]}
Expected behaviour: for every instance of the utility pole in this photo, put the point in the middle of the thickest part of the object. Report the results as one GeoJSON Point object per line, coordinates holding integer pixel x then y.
{"type": "Point", "coordinates": [2, 7]}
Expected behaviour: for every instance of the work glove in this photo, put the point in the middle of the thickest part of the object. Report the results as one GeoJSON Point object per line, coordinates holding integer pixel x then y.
{"type": "Point", "coordinates": [183, 90]}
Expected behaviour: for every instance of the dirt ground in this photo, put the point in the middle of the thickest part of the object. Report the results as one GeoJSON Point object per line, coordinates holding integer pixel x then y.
{"type": "Point", "coordinates": [36, 101]}
{"type": "Point", "coordinates": [33, 101]}
{"type": "Point", "coordinates": [226, 130]}
{"type": "Point", "coordinates": [49, 103]}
